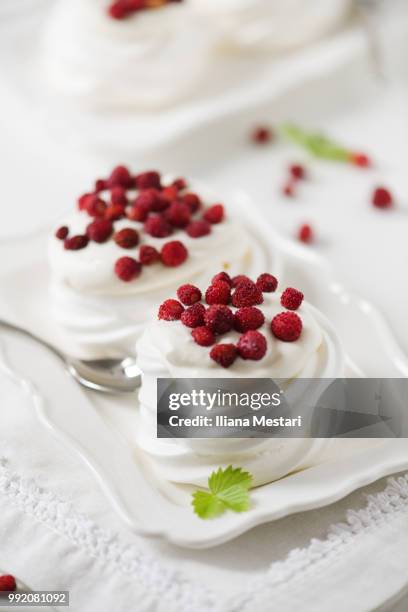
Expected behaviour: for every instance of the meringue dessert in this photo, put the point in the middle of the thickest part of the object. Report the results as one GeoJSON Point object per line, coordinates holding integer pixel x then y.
{"type": "Point", "coordinates": [99, 56]}
{"type": "Point", "coordinates": [273, 25]}
{"type": "Point", "coordinates": [131, 242]}
{"type": "Point", "coordinates": [237, 329]}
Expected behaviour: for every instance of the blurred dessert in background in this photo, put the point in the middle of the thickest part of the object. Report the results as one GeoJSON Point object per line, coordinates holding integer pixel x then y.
{"type": "Point", "coordinates": [148, 58]}
{"type": "Point", "coordinates": [151, 54]}
{"type": "Point", "coordinates": [273, 25]}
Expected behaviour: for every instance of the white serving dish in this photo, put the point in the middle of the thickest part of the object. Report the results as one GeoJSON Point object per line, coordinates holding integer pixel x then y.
{"type": "Point", "coordinates": [100, 430]}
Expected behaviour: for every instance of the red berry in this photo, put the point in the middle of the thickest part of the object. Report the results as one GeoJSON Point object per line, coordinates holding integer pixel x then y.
{"type": "Point", "coordinates": [100, 185]}
{"type": "Point", "coordinates": [84, 199]}
{"type": "Point", "coordinates": [178, 214]}
{"type": "Point", "coordinates": [149, 179]}
{"type": "Point", "coordinates": [148, 255]}
{"type": "Point", "coordinates": [171, 310]}
{"type": "Point", "coordinates": [248, 317]}
{"type": "Point", "coordinates": [288, 189]}
{"type": "Point", "coordinates": [267, 283]}
{"type": "Point", "coordinates": [76, 242]}
{"type": "Point", "coordinates": [148, 199]}
{"type": "Point", "coordinates": [193, 316]}
{"type": "Point", "coordinates": [127, 268]}
{"type": "Point", "coordinates": [118, 10]}
{"type": "Point", "coordinates": [203, 336]}
{"type": "Point", "coordinates": [7, 583]}
{"type": "Point", "coordinates": [382, 198]}
{"type": "Point", "coordinates": [157, 226]}
{"type": "Point", "coordinates": [192, 200]}
{"type": "Point", "coordinates": [137, 213]}
{"type": "Point", "coordinates": [224, 354]}
{"type": "Point", "coordinates": [189, 294]}
{"type": "Point", "coordinates": [126, 238]}
{"type": "Point", "coordinates": [240, 278]}
{"type": "Point", "coordinates": [214, 214]}
{"type": "Point", "coordinates": [118, 196]}
{"type": "Point", "coordinates": [169, 193]}
{"type": "Point", "coordinates": [252, 345]}
{"type": "Point", "coordinates": [179, 184]}
{"type": "Point", "coordinates": [115, 212]}
{"type": "Point", "coordinates": [291, 298]}
{"type": "Point", "coordinates": [62, 232]}
{"type": "Point", "coordinates": [99, 230]}
{"type": "Point", "coordinates": [261, 134]}
{"type": "Point", "coordinates": [197, 229]}
{"type": "Point", "coordinates": [120, 177]}
{"type": "Point", "coordinates": [361, 160]}
{"type": "Point", "coordinates": [218, 293]}
{"type": "Point", "coordinates": [305, 233]}
{"type": "Point", "coordinates": [95, 207]}
{"type": "Point", "coordinates": [222, 276]}
{"type": "Point", "coordinates": [287, 326]}
{"type": "Point", "coordinates": [173, 253]}
{"type": "Point", "coordinates": [219, 318]}
{"type": "Point", "coordinates": [247, 294]}
{"type": "Point", "coordinates": [297, 172]}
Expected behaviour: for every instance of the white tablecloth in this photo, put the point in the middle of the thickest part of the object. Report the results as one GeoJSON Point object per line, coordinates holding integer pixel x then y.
{"type": "Point", "coordinates": [57, 531]}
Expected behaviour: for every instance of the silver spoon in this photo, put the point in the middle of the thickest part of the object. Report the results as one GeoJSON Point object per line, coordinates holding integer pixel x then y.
{"type": "Point", "coordinates": [120, 375]}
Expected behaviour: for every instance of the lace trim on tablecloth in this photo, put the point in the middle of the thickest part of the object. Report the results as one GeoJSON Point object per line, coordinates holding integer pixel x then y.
{"type": "Point", "coordinates": [169, 585]}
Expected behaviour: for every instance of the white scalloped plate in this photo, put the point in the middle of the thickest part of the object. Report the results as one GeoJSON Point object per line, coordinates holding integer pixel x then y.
{"type": "Point", "coordinates": [104, 444]}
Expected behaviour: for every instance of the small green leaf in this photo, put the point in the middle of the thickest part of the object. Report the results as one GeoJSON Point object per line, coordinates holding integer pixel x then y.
{"type": "Point", "coordinates": [229, 488]}
{"type": "Point", "coordinates": [315, 143]}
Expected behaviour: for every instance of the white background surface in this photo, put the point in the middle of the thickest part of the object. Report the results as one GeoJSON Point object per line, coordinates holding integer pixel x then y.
{"type": "Point", "coordinates": [368, 249]}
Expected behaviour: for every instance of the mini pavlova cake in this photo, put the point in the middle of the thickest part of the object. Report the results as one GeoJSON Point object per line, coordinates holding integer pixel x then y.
{"type": "Point", "coordinates": [236, 329]}
{"type": "Point", "coordinates": [129, 243]}
{"type": "Point", "coordinates": [125, 53]}
{"type": "Point", "coordinates": [272, 25]}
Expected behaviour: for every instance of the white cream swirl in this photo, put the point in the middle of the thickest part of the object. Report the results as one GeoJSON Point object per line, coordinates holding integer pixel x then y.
{"type": "Point", "coordinates": [274, 24]}
{"type": "Point", "coordinates": [166, 349]}
{"type": "Point", "coordinates": [149, 59]}
{"type": "Point", "coordinates": [103, 316]}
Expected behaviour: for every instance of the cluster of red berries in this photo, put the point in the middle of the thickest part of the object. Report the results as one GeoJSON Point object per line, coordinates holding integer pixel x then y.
{"type": "Point", "coordinates": [7, 583]}
{"type": "Point", "coordinates": [120, 9]}
{"type": "Point", "coordinates": [217, 318]}
{"type": "Point", "coordinates": [161, 210]}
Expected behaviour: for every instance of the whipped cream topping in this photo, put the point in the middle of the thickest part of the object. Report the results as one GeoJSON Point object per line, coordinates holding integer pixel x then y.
{"type": "Point", "coordinates": [273, 24]}
{"type": "Point", "coordinates": [166, 349]}
{"type": "Point", "coordinates": [149, 59]}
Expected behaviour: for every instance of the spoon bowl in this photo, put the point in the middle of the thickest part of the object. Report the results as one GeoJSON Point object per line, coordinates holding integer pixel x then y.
{"type": "Point", "coordinates": [120, 375]}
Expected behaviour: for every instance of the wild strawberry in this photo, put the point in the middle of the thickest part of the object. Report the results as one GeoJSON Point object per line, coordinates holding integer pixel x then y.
{"type": "Point", "coordinates": [261, 134]}
{"type": "Point", "coordinates": [248, 317]}
{"type": "Point", "coordinates": [219, 318]}
{"type": "Point", "coordinates": [157, 226]}
{"type": "Point", "coordinates": [267, 283]}
{"type": "Point", "coordinates": [99, 230]}
{"type": "Point", "coordinates": [120, 177]}
{"type": "Point", "coordinates": [127, 268]}
{"type": "Point", "coordinates": [222, 276]}
{"type": "Point", "coordinates": [148, 255]}
{"type": "Point", "coordinates": [115, 212]}
{"type": "Point", "coordinates": [173, 253]}
{"type": "Point", "coordinates": [218, 293]}
{"type": "Point", "coordinates": [203, 336]}
{"type": "Point", "coordinates": [252, 345]}
{"type": "Point", "coordinates": [287, 326]}
{"type": "Point", "coordinates": [118, 196]}
{"type": "Point", "coordinates": [62, 232]}
{"type": "Point", "coordinates": [8, 583]}
{"type": "Point", "coordinates": [178, 214]}
{"type": "Point", "coordinates": [170, 310]}
{"type": "Point", "coordinates": [214, 214]}
{"type": "Point", "coordinates": [193, 316]}
{"type": "Point", "coordinates": [147, 180]}
{"type": "Point", "coordinates": [192, 200]}
{"type": "Point", "coordinates": [197, 229]}
{"type": "Point", "coordinates": [189, 294]}
{"type": "Point", "coordinates": [95, 207]}
{"type": "Point", "coordinates": [127, 238]}
{"type": "Point", "coordinates": [305, 233]}
{"type": "Point", "coordinates": [75, 243]}
{"type": "Point", "coordinates": [247, 294]}
{"type": "Point", "coordinates": [224, 354]}
{"type": "Point", "coordinates": [291, 298]}
{"type": "Point", "coordinates": [382, 198]}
